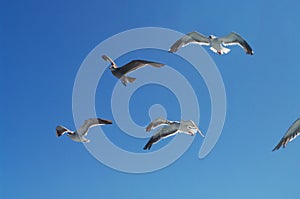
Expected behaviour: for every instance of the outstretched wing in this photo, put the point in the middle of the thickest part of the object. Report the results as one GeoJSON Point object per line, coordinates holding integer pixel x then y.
{"type": "Point", "coordinates": [235, 39]}
{"type": "Point", "coordinates": [192, 37]}
{"type": "Point", "coordinates": [161, 134]}
{"type": "Point", "coordinates": [107, 58]}
{"type": "Point", "coordinates": [291, 134]}
{"type": "Point", "coordinates": [157, 122]}
{"type": "Point", "coordinates": [89, 123]}
{"type": "Point", "coordinates": [60, 130]}
{"type": "Point", "coordinates": [136, 64]}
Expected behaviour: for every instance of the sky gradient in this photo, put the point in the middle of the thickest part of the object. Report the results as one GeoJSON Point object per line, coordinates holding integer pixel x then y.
{"type": "Point", "coordinates": [43, 44]}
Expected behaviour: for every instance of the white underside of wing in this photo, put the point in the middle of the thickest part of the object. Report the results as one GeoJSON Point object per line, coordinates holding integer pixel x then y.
{"type": "Point", "coordinates": [234, 44]}
{"type": "Point", "coordinates": [200, 43]}
{"type": "Point", "coordinates": [231, 44]}
{"type": "Point", "coordinates": [84, 133]}
{"type": "Point", "coordinates": [95, 125]}
{"type": "Point", "coordinates": [294, 137]}
{"type": "Point", "coordinates": [169, 135]}
{"type": "Point", "coordinates": [156, 123]}
{"type": "Point", "coordinates": [187, 132]}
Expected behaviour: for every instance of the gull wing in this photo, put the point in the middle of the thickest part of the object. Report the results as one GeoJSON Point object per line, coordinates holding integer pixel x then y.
{"type": "Point", "coordinates": [162, 133]}
{"type": "Point", "coordinates": [60, 130]}
{"type": "Point", "coordinates": [136, 64]}
{"type": "Point", "coordinates": [107, 58]}
{"type": "Point", "coordinates": [157, 122]}
{"type": "Point", "coordinates": [235, 39]}
{"type": "Point", "coordinates": [89, 123]}
{"type": "Point", "coordinates": [290, 135]}
{"type": "Point", "coordinates": [192, 37]}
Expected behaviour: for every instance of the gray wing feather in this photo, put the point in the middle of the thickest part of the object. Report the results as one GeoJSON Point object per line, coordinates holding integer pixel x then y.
{"type": "Point", "coordinates": [107, 58]}
{"type": "Point", "coordinates": [192, 37]}
{"type": "Point", "coordinates": [157, 122]}
{"type": "Point", "coordinates": [162, 133]}
{"type": "Point", "coordinates": [89, 123]}
{"type": "Point", "coordinates": [235, 39]}
{"type": "Point", "coordinates": [290, 135]}
{"type": "Point", "coordinates": [136, 64]}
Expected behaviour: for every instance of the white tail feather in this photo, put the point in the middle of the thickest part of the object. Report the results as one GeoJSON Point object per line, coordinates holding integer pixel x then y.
{"type": "Point", "coordinates": [126, 79]}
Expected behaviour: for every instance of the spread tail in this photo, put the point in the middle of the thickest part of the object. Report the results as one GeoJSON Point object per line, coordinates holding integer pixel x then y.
{"type": "Point", "coordinates": [225, 50]}
{"type": "Point", "coordinates": [126, 79]}
{"type": "Point", "coordinates": [221, 51]}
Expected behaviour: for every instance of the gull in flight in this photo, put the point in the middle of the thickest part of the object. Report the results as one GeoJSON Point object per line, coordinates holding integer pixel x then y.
{"type": "Point", "coordinates": [216, 43]}
{"type": "Point", "coordinates": [170, 128]}
{"type": "Point", "coordinates": [79, 135]}
{"type": "Point", "coordinates": [290, 135]}
{"type": "Point", "coordinates": [120, 72]}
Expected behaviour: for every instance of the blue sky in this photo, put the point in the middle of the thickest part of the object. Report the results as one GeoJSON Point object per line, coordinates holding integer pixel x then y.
{"type": "Point", "coordinates": [43, 44]}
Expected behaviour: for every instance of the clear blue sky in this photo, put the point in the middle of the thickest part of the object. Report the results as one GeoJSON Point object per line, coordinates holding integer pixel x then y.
{"type": "Point", "coordinates": [43, 44]}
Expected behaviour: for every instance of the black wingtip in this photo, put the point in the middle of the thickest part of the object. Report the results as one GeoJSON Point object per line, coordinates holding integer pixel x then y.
{"type": "Point", "coordinates": [147, 146]}
{"type": "Point", "coordinates": [250, 53]}
{"type": "Point", "coordinates": [60, 130]}
{"type": "Point", "coordinates": [278, 146]}
{"type": "Point", "coordinates": [148, 129]}
{"type": "Point", "coordinates": [104, 121]}
{"type": "Point", "coordinates": [105, 58]}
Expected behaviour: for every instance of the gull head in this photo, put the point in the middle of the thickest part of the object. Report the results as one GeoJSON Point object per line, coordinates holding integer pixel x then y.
{"type": "Point", "coordinates": [212, 37]}
{"type": "Point", "coordinates": [189, 127]}
{"type": "Point", "coordinates": [196, 127]}
{"type": "Point", "coordinates": [112, 67]}
{"type": "Point", "coordinates": [192, 130]}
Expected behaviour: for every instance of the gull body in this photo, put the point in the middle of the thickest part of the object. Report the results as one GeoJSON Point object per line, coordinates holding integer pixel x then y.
{"type": "Point", "coordinates": [216, 43]}
{"type": "Point", "coordinates": [120, 72]}
{"type": "Point", "coordinates": [170, 128]}
{"type": "Point", "coordinates": [290, 135]}
{"type": "Point", "coordinates": [79, 135]}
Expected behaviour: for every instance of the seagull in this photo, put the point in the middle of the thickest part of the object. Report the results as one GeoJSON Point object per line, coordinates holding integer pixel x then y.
{"type": "Point", "coordinates": [215, 43]}
{"type": "Point", "coordinates": [170, 128]}
{"type": "Point", "coordinates": [120, 72]}
{"type": "Point", "coordinates": [79, 135]}
{"type": "Point", "coordinates": [290, 135]}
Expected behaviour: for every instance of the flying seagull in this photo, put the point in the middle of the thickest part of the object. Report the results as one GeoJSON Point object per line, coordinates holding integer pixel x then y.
{"type": "Point", "coordinates": [291, 134]}
{"type": "Point", "coordinates": [171, 128]}
{"type": "Point", "coordinates": [120, 72]}
{"type": "Point", "coordinates": [215, 43]}
{"type": "Point", "coordinates": [79, 135]}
